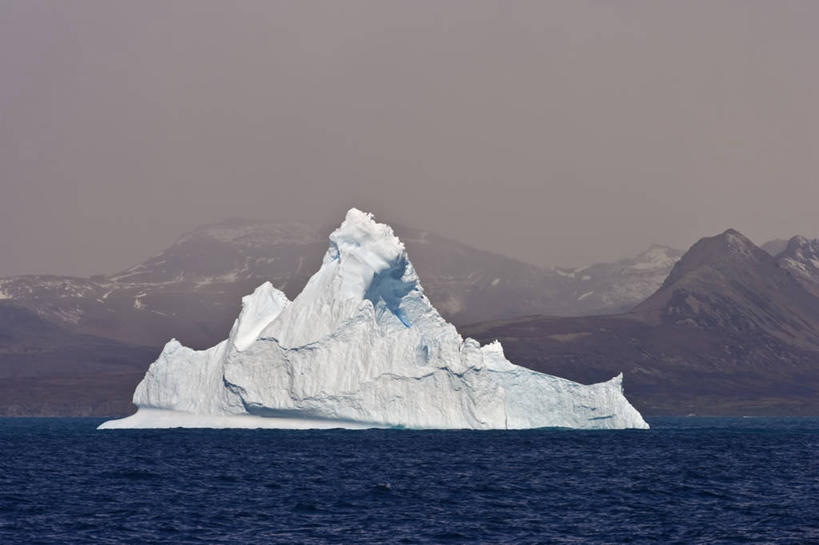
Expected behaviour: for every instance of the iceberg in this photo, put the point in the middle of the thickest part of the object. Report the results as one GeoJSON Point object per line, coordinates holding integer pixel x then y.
{"type": "Point", "coordinates": [360, 347]}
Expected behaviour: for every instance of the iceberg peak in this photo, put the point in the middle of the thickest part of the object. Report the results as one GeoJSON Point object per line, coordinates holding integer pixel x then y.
{"type": "Point", "coordinates": [365, 264]}
{"type": "Point", "coordinates": [361, 346]}
{"type": "Point", "coordinates": [363, 252]}
{"type": "Point", "coordinates": [360, 235]}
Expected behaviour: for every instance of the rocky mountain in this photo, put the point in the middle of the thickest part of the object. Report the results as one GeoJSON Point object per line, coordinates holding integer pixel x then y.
{"type": "Point", "coordinates": [190, 290]}
{"type": "Point", "coordinates": [726, 282]}
{"type": "Point", "coordinates": [730, 331]}
{"type": "Point", "coordinates": [801, 258]}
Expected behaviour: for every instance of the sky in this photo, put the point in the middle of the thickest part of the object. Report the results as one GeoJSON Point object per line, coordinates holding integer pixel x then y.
{"type": "Point", "coordinates": [560, 132]}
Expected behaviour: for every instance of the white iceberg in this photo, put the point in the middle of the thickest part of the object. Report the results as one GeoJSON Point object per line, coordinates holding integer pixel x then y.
{"type": "Point", "coordinates": [361, 346]}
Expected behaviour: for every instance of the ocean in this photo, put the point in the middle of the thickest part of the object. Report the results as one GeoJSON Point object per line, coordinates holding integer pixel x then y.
{"type": "Point", "coordinates": [687, 480]}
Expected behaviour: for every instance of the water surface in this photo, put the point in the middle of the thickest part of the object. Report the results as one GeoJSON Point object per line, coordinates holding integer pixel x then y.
{"type": "Point", "coordinates": [688, 480]}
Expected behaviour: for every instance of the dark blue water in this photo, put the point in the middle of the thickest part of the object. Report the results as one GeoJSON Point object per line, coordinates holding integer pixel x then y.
{"type": "Point", "coordinates": [688, 480]}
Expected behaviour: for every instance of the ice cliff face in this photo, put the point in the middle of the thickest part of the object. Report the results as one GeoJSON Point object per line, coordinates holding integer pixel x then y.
{"type": "Point", "coordinates": [360, 346]}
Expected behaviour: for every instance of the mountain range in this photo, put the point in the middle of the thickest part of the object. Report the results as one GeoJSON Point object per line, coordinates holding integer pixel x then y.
{"type": "Point", "coordinates": [191, 289]}
{"type": "Point", "coordinates": [732, 330]}
{"type": "Point", "coordinates": [702, 332]}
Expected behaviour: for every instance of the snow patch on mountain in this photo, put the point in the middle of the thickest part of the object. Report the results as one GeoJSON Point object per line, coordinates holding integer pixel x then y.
{"type": "Point", "coordinates": [563, 273]}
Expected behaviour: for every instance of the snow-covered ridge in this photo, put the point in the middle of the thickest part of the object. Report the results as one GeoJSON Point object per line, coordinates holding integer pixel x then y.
{"type": "Point", "coordinates": [617, 286]}
{"type": "Point", "coordinates": [801, 257]}
{"type": "Point", "coordinates": [361, 346]}
{"type": "Point", "coordinates": [656, 258]}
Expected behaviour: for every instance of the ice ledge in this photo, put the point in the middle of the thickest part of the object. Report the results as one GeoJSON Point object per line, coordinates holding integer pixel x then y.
{"type": "Point", "coordinates": [151, 418]}
{"type": "Point", "coordinates": [148, 418]}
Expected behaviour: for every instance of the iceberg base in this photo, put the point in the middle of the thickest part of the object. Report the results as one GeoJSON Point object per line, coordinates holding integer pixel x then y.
{"type": "Point", "coordinates": [146, 418]}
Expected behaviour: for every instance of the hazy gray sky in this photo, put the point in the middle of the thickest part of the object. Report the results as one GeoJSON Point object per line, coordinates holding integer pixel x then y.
{"type": "Point", "coordinates": [557, 132]}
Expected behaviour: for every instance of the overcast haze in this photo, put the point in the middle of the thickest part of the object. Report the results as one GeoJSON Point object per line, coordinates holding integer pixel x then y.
{"type": "Point", "coordinates": [557, 132]}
